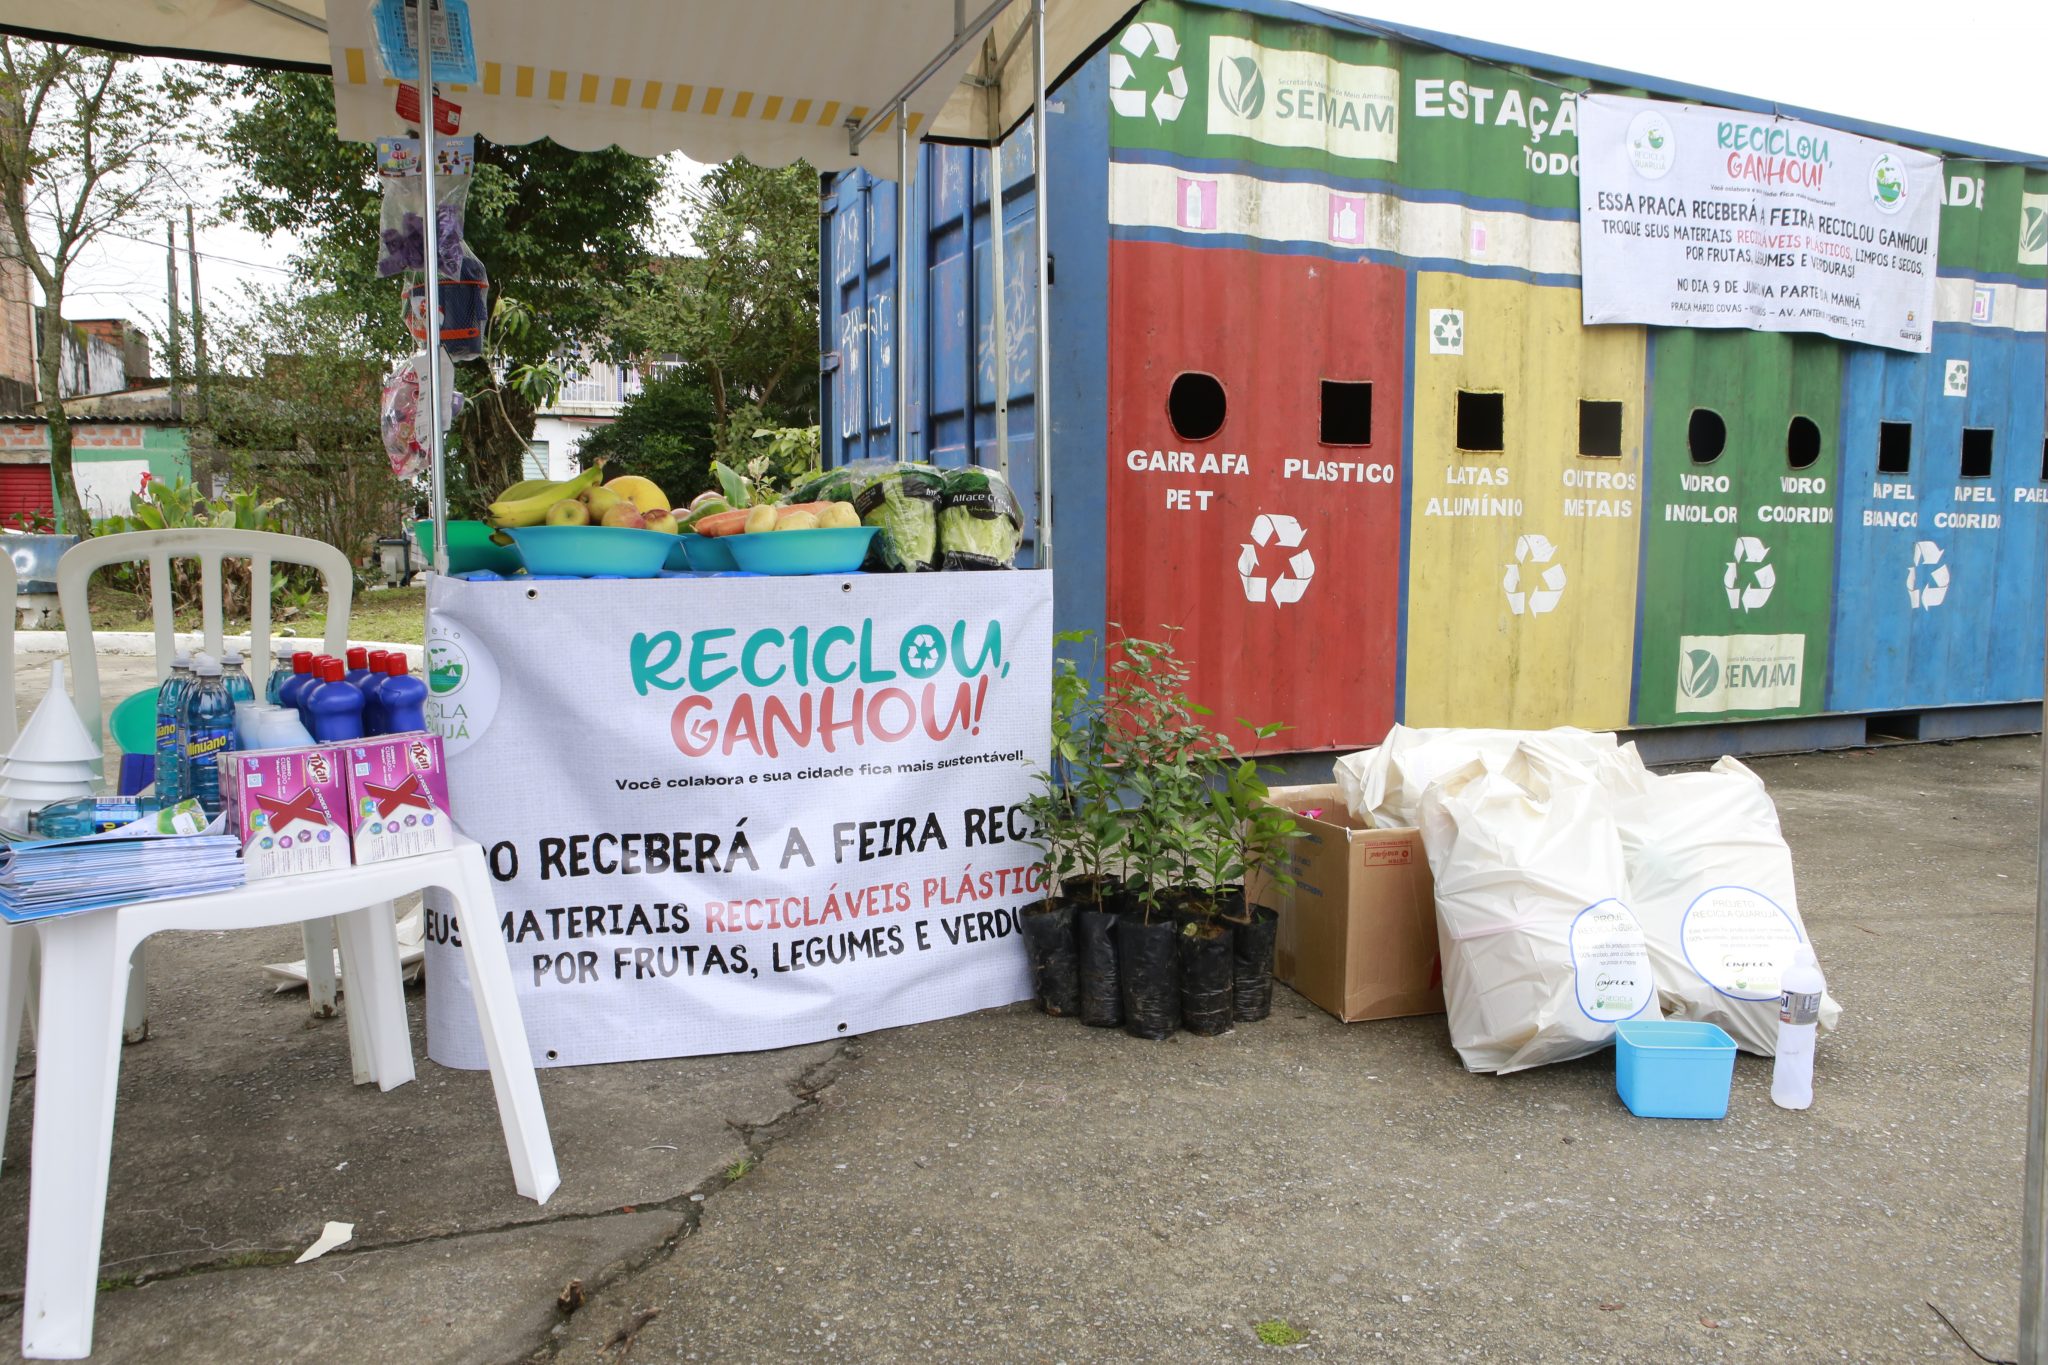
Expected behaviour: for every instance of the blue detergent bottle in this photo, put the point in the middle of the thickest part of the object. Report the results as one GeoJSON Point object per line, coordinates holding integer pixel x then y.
{"type": "Point", "coordinates": [334, 708]}
{"type": "Point", "coordinates": [314, 677]}
{"type": "Point", "coordinates": [234, 679]}
{"type": "Point", "coordinates": [170, 744]}
{"type": "Point", "coordinates": [301, 678]}
{"type": "Point", "coordinates": [402, 700]}
{"type": "Point", "coordinates": [358, 666]}
{"type": "Point", "coordinates": [372, 684]}
{"type": "Point", "coordinates": [209, 734]}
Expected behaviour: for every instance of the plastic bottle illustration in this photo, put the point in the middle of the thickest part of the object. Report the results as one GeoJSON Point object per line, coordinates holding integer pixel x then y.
{"type": "Point", "coordinates": [209, 733]}
{"type": "Point", "coordinates": [170, 744]}
{"type": "Point", "coordinates": [1798, 1022]}
{"type": "Point", "coordinates": [402, 700]}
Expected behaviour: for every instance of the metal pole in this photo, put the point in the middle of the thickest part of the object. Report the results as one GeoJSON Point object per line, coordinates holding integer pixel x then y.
{"type": "Point", "coordinates": [1041, 394]}
{"type": "Point", "coordinates": [198, 323]}
{"type": "Point", "coordinates": [431, 380]}
{"type": "Point", "coordinates": [998, 252]}
{"type": "Point", "coordinates": [174, 344]}
{"type": "Point", "coordinates": [903, 451]}
{"type": "Point", "coordinates": [2034, 1224]}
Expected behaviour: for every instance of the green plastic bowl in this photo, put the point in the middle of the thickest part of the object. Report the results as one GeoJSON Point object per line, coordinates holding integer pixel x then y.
{"type": "Point", "coordinates": [134, 723]}
{"type": "Point", "coordinates": [469, 548]}
{"type": "Point", "coordinates": [591, 551]}
{"type": "Point", "coordinates": [825, 549]}
{"type": "Point", "coordinates": [709, 554]}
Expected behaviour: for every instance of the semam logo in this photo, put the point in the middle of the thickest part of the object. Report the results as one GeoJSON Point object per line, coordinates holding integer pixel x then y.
{"type": "Point", "coordinates": [2034, 229]}
{"type": "Point", "coordinates": [1719, 673]}
{"type": "Point", "coordinates": [1888, 183]}
{"type": "Point", "coordinates": [1289, 98]}
{"type": "Point", "coordinates": [1240, 86]}
{"type": "Point", "coordinates": [1699, 673]}
{"type": "Point", "coordinates": [462, 684]}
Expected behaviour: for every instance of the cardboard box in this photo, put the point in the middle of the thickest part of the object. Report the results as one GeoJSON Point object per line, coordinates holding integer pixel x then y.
{"type": "Point", "coordinates": [1358, 929]}
{"type": "Point", "coordinates": [398, 796]}
{"type": "Point", "coordinates": [290, 809]}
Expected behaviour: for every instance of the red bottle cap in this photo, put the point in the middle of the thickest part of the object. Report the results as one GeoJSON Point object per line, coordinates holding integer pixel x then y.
{"type": "Point", "coordinates": [330, 669]}
{"type": "Point", "coordinates": [302, 662]}
{"type": "Point", "coordinates": [358, 656]}
{"type": "Point", "coordinates": [376, 660]}
{"type": "Point", "coordinates": [397, 667]}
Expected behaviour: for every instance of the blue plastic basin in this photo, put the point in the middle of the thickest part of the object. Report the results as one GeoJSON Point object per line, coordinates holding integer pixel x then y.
{"type": "Point", "coordinates": [710, 554]}
{"type": "Point", "coordinates": [1673, 1068]}
{"type": "Point", "coordinates": [836, 549]}
{"type": "Point", "coordinates": [591, 551]}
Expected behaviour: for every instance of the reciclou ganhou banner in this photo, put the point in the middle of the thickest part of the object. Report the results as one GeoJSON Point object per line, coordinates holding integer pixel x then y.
{"type": "Point", "coordinates": [1694, 216]}
{"type": "Point", "coordinates": [741, 813]}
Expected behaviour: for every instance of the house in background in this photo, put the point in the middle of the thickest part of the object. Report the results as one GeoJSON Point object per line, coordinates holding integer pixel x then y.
{"type": "Point", "coordinates": [591, 398]}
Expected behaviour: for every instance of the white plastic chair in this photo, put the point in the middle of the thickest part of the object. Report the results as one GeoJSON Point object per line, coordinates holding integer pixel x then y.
{"type": "Point", "coordinates": [8, 723]}
{"type": "Point", "coordinates": [210, 546]}
{"type": "Point", "coordinates": [86, 965]}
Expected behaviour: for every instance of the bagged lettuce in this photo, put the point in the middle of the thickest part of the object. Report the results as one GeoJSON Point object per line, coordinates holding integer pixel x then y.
{"type": "Point", "coordinates": [903, 501]}
{"type": "Point", "coordinates": [980, 523]}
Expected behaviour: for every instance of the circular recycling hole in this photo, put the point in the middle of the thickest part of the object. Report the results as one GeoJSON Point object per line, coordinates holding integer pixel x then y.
{"type": "Point", "coordinates": [1802, 442]}
{"type": "Point", "coordinates": [1195, 405]}
{"type": "Point", "coordinates": [1706, 436]}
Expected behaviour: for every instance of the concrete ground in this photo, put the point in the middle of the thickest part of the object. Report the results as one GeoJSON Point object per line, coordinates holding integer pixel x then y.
{"type": "Point", "coordinates": [1010, 1187]}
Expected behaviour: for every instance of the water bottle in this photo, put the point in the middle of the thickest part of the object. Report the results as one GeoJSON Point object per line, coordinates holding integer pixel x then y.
{"type": "Point", "coordinates": [280, 670]}
{"type": "Point", "coordinates": [170, 747]}
{"type": "Point", "coordinates": [209, 733]}
{"type": "Point", "coordinates": [334, 709]}
{"type": "Point", "coordinates": [301, 678]}
{"type": "Point", "coordinates": [87, 816]}
{"type": "Point", "coordinates": [1798, 1021]}
{"type": "Point", "coordinates": [358, 665]}
{"type": "Point", "coordinates": [234, 679]}
{"type": "Point", "coordinates": [402, 700]}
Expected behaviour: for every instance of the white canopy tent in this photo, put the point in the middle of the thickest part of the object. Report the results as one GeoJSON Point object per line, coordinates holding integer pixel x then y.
{"type": "Point", "coordinates": [776, 80]}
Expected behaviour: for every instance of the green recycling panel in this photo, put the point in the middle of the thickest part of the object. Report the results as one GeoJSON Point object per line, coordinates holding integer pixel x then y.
{"type": "Point", "coordinates": [1739, 549]}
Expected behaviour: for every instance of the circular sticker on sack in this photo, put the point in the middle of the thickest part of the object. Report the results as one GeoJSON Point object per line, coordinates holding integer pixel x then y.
{"type": "Point", "coordinates": [1610, 962]}
{"type": "Point", "coordinates": [1738, 940]}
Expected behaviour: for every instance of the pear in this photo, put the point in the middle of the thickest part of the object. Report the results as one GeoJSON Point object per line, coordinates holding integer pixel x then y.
{"type": "Point", "coordinates": [602, 500]}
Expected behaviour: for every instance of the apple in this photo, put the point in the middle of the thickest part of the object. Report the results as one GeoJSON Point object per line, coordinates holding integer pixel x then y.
{"type": "Point", "coordinates": [660, 519]}
{"type": "Point", "coordinates": [624, 514]}
{"type": "Point", "coordinates": [568, 512]}
{"type": "Point", "coordinates": [602, 501]}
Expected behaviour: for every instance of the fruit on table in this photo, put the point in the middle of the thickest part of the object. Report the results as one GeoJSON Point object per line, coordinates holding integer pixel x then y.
{"type": "Point", "coordinates": [762, 518]}
{"type": "Point", "coordinates": [660, 519]}
{"type": "Point", "coordinates": [603, 500]}
{"type": "Point", "coordinates": [707, 497]}
{"type": "Point", "coordinates": [839, 515]}
{"type": "Point", "coordinates": [644, 494]}
{"type": "Point", "coordinates": [798, 521]}
{"type": "Point", "coordinates": [704, 505]}
{"type": "Point", "coordinates": [530, 508]}
{"type": "Point", "coordinates": [623, 513]}
{"type": "Point", "coordinates": [569, 512]}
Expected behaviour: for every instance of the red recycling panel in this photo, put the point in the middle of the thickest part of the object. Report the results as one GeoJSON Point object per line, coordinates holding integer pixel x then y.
{"type": "Point", "coordinates": [1273, 539]}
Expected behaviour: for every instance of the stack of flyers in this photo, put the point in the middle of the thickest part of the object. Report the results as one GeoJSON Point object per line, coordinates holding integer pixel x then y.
{"type": "Point", "coordinates": [168, 854]}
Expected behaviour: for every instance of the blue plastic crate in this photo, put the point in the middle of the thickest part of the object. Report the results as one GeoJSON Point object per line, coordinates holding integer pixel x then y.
{"type": "Point", "coordinates": [1673, 1068]}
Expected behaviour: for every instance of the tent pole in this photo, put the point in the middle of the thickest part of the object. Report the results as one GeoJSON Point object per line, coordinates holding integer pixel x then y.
{"type": "Point", "coordinates": [999, 306]}
{"type": "Point", "coordinates": [1041, 398]}
{"type": "Point", "coordinates": [2034, 1226]}
{"type": "Point", "coordinates": [903, 451]}
{"type": "Point", "coordinates": [431, 226]}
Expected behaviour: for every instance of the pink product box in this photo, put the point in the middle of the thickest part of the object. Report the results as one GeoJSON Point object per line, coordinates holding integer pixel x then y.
{"type": "Point", "coordinates": [290, 807]}
{"type": "Point", "coordinates": [398, 796]}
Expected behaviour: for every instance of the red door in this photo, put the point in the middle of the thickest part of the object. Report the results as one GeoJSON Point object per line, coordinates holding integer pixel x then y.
{"type": "Point", "coordinates": [1255, 429]}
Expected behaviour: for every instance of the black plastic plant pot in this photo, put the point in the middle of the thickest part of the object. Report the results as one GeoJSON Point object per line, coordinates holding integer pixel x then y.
{"type": "Point", "coordinates": [1055, 960]}
{"type": "Point", "coordinates": [1205, 974]}
{"type": "Point", "coordinates": [1148, 959]}
{"type": "Point", "coordinates": [1102, 1003]}
{"type": "Point", "coordinates": [1252, 983]}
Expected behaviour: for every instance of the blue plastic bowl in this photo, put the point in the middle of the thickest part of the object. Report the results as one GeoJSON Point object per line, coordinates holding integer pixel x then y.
{"type": "Point", "coordinates": [1673, 1068]}
{"type": "Point", "coordinates": [590, 551]}
{"type": "Point", "coordinates": [710, 554]}
{"type": "Point", "coordinates": [835, 549]}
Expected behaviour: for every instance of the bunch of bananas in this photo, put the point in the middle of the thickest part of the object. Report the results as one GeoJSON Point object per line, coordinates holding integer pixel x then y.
{"type": "Point", "coordinates": [526, 503]}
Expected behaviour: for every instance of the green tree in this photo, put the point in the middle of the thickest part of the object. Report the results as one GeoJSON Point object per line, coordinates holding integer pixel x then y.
{"type": "Point", "coordinates": [86, 144]}
{"type": "Point", "coordinates": [742, 312]}
{"type": "Point", "coordinates": [666, 432]}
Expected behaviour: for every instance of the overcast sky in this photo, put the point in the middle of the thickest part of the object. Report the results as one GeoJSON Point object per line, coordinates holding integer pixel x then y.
{"type": "Point", "coordinates": [1964, 69]}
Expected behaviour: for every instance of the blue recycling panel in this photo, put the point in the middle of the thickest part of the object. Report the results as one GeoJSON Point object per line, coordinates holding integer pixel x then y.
{"type": "Point", "coordinates": [1942, 549]}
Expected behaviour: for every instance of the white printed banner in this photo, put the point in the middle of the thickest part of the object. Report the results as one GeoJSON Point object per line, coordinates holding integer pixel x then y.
{"type": "Point", "coordinates": [732, 814]}
{"type": "Point", "coordinates": [1694, 216]}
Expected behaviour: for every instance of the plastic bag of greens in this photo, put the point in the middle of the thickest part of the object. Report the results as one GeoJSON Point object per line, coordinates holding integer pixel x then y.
{"type": "Point", "coordinates": [980, 524]}
{"type": "Point", "coordinates": [902, 500]}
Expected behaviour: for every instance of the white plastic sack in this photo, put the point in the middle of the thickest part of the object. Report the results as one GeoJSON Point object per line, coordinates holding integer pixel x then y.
{"type": "Point", "coordinates": [1542, 954]}
{"type": "Point", "coordinates": [1712, 881]}
{"type": "Point", "coordinates": [1384, 786]}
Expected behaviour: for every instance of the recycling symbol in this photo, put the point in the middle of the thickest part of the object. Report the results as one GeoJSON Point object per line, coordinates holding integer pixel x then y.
{"type": "Point", "coordinates": [1272, 528]}
{"type": "Point", "coordinates": [1535, 551]}
{"type": "Point", "coordinates": [1927, 590]}
{"type": "Point", "coordinates": [1156, 46]}
{"type": "Point", "coordinates": [924, 649]}
{"type": "Point", "coordinates": [1447, 331]}
{"type": "Point", "coordinates": [1750, 554]}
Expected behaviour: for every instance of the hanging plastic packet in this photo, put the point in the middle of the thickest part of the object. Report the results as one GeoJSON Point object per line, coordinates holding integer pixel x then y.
{"type": "Point", "coordinates": [465, 285]}
{"type": "Point", "coordinates": [407, 441]}
{"type": "Point", "coordinates": [398, 40]}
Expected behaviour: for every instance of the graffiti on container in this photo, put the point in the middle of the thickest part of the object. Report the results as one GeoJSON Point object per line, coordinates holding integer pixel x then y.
{"type": "Point", "coordinates": [1020, 321]}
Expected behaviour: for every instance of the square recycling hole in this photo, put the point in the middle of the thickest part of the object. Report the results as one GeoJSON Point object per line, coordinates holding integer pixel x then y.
{"type": "Point", "coordinates": [1347, 413]}
{"type": "Point", "coordinates": [1976, 452]}
{"type": "Point", "coordinates": [1894, 447]}
{"type": "Point", "coordinates": [1482, 420]}
{"type": "Point", "coordinates": [1599, 427]}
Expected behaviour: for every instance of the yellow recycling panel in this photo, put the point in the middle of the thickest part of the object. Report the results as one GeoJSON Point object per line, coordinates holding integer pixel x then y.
{"type": "Point", "coordinates": [1525, 511]}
